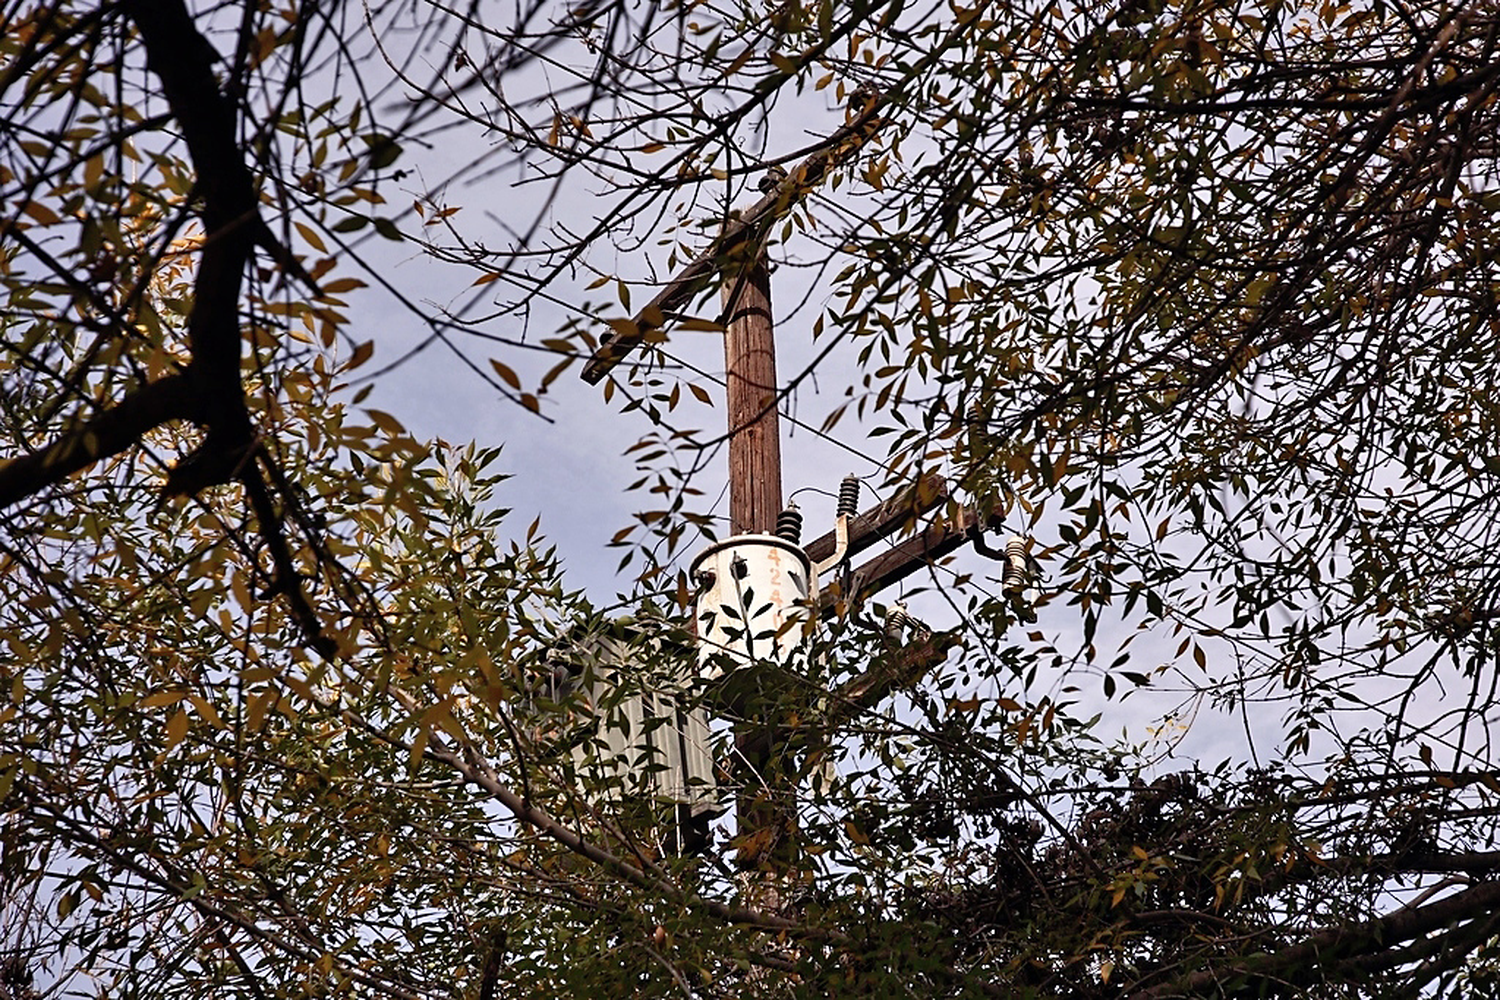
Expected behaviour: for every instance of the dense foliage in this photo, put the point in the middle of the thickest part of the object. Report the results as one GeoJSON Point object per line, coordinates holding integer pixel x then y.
{"type": "Point", "coordinates": [1202, 293]}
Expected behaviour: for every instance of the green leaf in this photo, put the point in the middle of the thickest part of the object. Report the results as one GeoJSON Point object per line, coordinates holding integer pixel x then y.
{"type": "Point", "coordinates": [384, 152]}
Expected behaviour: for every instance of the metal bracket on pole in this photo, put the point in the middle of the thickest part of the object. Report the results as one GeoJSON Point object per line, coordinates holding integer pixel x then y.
{"type": "Point", "coordinates": [840, 547]}
{"type": "Point", "coordinates": [914, 553]}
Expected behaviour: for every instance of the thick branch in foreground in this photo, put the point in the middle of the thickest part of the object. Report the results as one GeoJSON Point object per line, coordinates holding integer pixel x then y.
{"type": "Point", "coordinates": [209, 391]}
{"type": "Point", "coordinates": [1312, 959]}
{"type": "Point", "coordinates": [182, 59]}
{"type": "Point", "coordinates": [111, 432]}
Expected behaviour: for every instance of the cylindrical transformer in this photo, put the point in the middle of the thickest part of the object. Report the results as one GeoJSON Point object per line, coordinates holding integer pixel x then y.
{"type": "Point", "coordinates": [752, 605]}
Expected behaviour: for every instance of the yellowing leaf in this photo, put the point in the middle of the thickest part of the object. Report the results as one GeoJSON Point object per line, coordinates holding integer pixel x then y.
{"type": "Point", "coordinates": [255, 712]}
{"type": "Point", "coordinates": [386, 422]}
{"type": "Point", "coordinates": [41, 213]}
{"type": "Point", "coordinates": [417, 749]}
{"type": "Point", "coordinates": [207, 712]}
{"type": "Point", "coordinates": [361, 354]}
{"type": "Point", "coordinates": [740, 61]}
{"type": "Point", "coordinates": [162, 698]}
{"type": "Point", "coordinates": [625, 328]}
{"type": "Point", "coordinates": [507, 375]}
{"type": "Point", "coordinates": [311, 236]}
{"type": "Point", "coordinates": [177, 727]}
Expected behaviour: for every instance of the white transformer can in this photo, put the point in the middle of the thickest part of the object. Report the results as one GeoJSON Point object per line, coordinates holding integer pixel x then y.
{"type": "Point", "coordinates": [752, 606]}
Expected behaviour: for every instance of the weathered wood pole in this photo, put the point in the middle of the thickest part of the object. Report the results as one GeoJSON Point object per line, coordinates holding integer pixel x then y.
{"type": "Point", "coordinates": [750, 374]}
{"type": "Point", "coordinates": [764, 818]}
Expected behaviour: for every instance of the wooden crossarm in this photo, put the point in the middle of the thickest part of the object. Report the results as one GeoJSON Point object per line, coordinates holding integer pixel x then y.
{"type": "Point", "coordinates": [911, 555]}
{"type": "Point", "coordinates": [880, 521]}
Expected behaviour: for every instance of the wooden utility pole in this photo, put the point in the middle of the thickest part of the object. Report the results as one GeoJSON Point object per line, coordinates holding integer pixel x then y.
{"type": "Point", "coordinates": [765, 814]}
{"type": "Point", "coordinates": [735, 259]}
{"type": "Point", "coordinates": [765, 810]}
{"type": "Point", "coordinates": [750, 381]}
